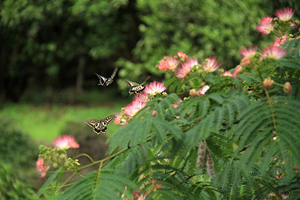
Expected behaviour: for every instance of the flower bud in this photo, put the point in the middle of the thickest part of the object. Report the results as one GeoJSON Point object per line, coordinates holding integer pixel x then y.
{"type": "Point", "coordinates": [267, 83]}
{"type": "Point", "coordinates": [237, 70]}
{"type": "Point", "coordinates": [193, 92]}
{"type": "Point", "coordinates": [287, 87]}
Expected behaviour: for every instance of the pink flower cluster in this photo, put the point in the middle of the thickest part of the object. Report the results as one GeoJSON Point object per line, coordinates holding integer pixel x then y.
{"type": "Point", "coordinates": [200, 92]}
{"type": "Point", "coordinates": [41, 167]}
{"type": "Point", "coordinates": [284, 14]}
{"type": "Point", "coordinates": [236, 72]}
{"type": "Point", "coordinates": [65, 141]}
{"type": "Point", "coordinates": [182, 65]}
{"type": "Point", "coordinates": [139, 102]}
{"type": "Point", "coordinates": [186, 67]}
{"type": "Point", "coordinates": [273, 52]}
{"type": "Point", "coordinates": [247, 53]}
{"type": "Point", "coordinates": [266, 25]}
{"type": "Point", "coordinates": [211, 64]}
{"type": "Point", "coordinates": [270, 52]}
{"type": "Point", "coordinates": [168, 63]}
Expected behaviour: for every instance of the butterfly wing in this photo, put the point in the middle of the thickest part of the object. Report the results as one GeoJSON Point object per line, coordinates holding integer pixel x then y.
{"type": "Point", "coordinates": [109, 119]}
{"type": "Point", "coordinates": [102, 79]}
{"type": "Point", "coordinates": [111, 79]}
{"type": "Point", "coordinates": [131, 83]}
{"type": "Point", "coordinates": [92, 123]}
{"type": "Point", "coordinates": [114, 73]}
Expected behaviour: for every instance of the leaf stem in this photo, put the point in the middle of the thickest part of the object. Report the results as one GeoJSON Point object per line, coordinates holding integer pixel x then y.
{"type": "Point", "coordinates": [86, 155]}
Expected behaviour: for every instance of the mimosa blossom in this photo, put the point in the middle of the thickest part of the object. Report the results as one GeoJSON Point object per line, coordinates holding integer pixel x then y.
{"type": "Point", "coordinates": [141, 97]}
{"type": "Point", "coordinates": [132, 108]}
{"type": "Point", "coordinates": [278, 41]}
{"type": "Point", "coordinates": [211, 64]}
{"type": "Point", "coordinates": [66, 141]}
{"type": "Point", "coordinates": [155, 88]}
{"type": "Point", "coordinates": [284, 14]}
{"type": "Point", "coordinates": [182, 55]}
{"type": "Point", "coordinates": [203, 90]}
{"type": "Point", "coordinates": [265, 26]}
{"type": "Point", "coordinates": [226, 73]}
{"type": "Point", "coordinates": [41, 167]}
{"type": "Point", "coordinates": [273, 52]}
{"type": "Point", "coordinates": [247, 53]}
{"type": "Point", "coordinates": [237, 70]}
{"type": "Point", "coordinates": [168, 63]}
{"type": "Point", "coordinates": [186, 67]}
{"type": "Point", "coordinates": [200, 92]}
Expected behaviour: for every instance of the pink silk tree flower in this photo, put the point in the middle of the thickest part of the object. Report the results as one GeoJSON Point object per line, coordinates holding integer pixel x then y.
{"type": "Point", "coordinates": [120, 120]}
{"type": "Point", "coordinates": [248, 52]}
{"type": "Point", "coordinates": [155, 88]}
{"type": "Point", "coordinates": [237, 70]}
{"type": "Point", "coordinates": [211, 64]}
{"type": "Point", "coordinates": [168, 63]}
{"type": "Point", "coordinates": [203, 90]}
{"type": "Point", "coordinates": [41, 167]}
{"type": "Point", "coordinates": [141, 97]}
{"type": "Point", "coordinates": [226, 73]}
{"type": "Point", "coordinates": [265, 26]}
{"type": "Point", "coordinates": [117, 119]}
{"type": "Point", "coordinates": [65, 141]}
{"type": "Point", "coordinates": [273, 52]}
{"type": "Point", "coordinates": [186, 67]}
{"type": "Point", "coordinates": [284, 14]}
{"type": "Point", "coordinates": [182, 55]}
{"type": "Point", "coordinates": [132, 108]}
{"type": "Point", "coordinates": [279, 41]}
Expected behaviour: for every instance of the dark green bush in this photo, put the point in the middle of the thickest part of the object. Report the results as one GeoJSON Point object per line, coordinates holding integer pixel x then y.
{"type": "Point", "coordinates": [11, 186]}
{"type": "Point", "coordinates": [16, 147]}
{"type": "Point", "coordinates": [17, 163]}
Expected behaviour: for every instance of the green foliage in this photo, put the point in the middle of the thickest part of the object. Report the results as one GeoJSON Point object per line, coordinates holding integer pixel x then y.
{"type": "Point", "coordinates": [11, 187]}
{"type": "Point", "coordinates": [198, 28]}
{"type": "Point", "coordinates": [210, 137]}
{"type": "Point", "coordinates": [18, 148]}
{"type": "Point", "coordinates": [18, 155]}
{"type": "Point", "coordinates": [101, 185]}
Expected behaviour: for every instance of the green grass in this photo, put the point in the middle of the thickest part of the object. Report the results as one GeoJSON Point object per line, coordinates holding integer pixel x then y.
{"type": "Point", "coordinates": [46, 122]}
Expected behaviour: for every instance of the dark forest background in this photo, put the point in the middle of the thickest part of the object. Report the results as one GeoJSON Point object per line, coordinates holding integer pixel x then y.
{"type": "Point", "coordinates": [51, 46]}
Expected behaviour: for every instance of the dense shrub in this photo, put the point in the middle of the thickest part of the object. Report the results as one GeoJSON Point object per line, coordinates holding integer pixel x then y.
{"type": "Point", "coordinates": [205, 133]}
{"type": "Point", "coordinates": [18, 178]}
{"type": "Point", "coordinates": [11, 186]}
{"type": "Point", "coordinates": [15, 146]}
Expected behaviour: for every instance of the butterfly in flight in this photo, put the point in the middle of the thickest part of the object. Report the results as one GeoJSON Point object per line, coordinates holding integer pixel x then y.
{"type": "Point", "coordinates": [106, 81]}
{"type": "Point", "coordinates": [100, 126]}
{"type": "Point", "coordinates": [136, 87]}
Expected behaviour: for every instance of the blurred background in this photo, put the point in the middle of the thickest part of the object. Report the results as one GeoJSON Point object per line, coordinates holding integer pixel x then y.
{"type": "Point", "coordinates": [51, 50]}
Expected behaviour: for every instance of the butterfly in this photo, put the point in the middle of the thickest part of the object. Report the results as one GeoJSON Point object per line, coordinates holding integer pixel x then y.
{"type": "Point", "coordinates": [136, 87]}
{"type": "Point", "coordinates": [106, 81]}
{"type": "Point", "coordinates": [100, 126]}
